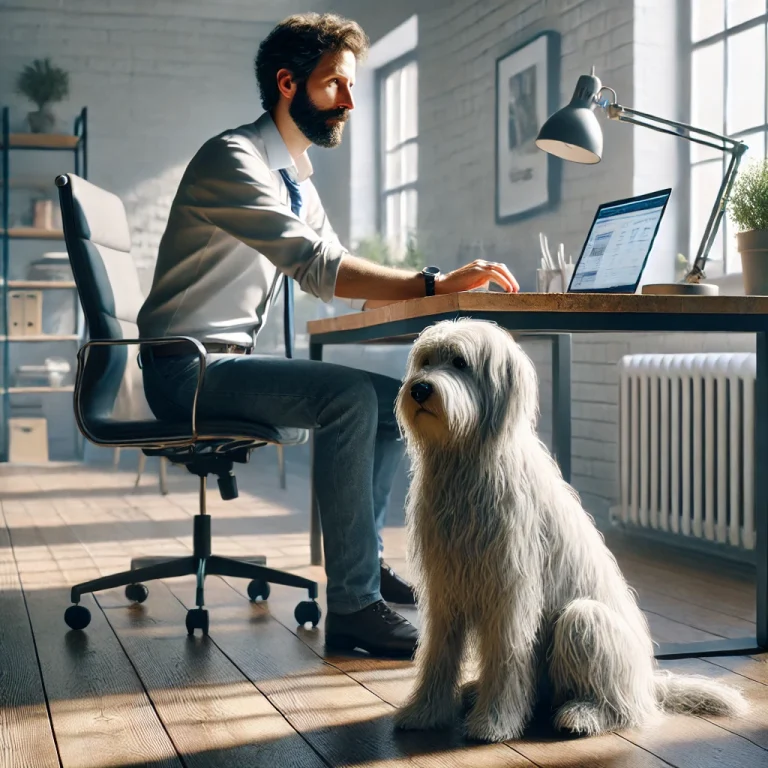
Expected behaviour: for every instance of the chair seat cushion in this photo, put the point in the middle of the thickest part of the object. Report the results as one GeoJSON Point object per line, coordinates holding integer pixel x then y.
{"type": "Point", "coordinates": [268, 432]}
{"type": "Point", "coordinates": [111, 431]}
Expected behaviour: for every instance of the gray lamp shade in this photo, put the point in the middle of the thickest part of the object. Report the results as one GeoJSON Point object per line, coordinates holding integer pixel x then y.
{"type": "Point", "coordinates": [573, 132]}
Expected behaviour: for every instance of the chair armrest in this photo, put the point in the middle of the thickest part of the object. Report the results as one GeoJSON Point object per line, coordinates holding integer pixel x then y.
{"type": "Point", "coordinates": [82, 355]}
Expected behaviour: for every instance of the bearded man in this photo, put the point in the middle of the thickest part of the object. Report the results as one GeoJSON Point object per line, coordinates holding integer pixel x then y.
{"type": "Point", "coordinates": [246, 213]}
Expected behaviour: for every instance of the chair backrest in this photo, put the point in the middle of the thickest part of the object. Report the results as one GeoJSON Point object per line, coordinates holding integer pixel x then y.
{"type": "Point", "coordinates": [99, 244]}
{"type": "Point", "coordinates": [98, 241]}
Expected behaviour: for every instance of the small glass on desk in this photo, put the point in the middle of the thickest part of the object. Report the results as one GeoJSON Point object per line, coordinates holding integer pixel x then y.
{"type": "Point", "coordinates": [554, 280]}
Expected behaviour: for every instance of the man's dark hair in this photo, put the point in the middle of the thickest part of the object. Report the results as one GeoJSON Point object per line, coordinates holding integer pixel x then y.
{"type": "Point", "coordinates": [298, 43]}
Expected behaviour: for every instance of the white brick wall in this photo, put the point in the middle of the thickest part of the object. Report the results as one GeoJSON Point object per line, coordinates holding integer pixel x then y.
{"type": "Point", "coordinates": [458, 44]}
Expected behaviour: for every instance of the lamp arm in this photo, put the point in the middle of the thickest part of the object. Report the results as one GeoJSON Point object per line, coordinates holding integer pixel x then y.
{"type": "Point", "coordinates": [619, 112]}
{"type": "Point", "coordinates": [671, 132]}
{"type": "Point", "coordinates": [696, 273]}
{"type": "Point", "coordinates": [733, 147]}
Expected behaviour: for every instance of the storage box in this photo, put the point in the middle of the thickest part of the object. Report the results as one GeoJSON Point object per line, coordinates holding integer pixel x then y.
{"type": "Point", "coordinates": [53, 266]}
{"type": "Point", "coordinates": [42, 214]}
{"type": "Point", "coordinates": [33, 313]}
{"type": "Point", "coordinates": [16, 314]}
{"type": "Point", "coordinates": [52, 373]}
{"type": "Point", "coordinates": [25, 313]}
{"type": "Point", "coordinates": [28, 442]}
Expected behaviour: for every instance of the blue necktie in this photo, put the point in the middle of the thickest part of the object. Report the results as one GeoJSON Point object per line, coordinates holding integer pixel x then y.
{"type": "Point", "coordinates": [295, 193]}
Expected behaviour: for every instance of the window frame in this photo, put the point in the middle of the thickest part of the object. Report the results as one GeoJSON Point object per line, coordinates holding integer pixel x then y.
{"type": "Point", "coordinates": [724, 36]}
{"type": "Point", "coordinates": [382, 73]}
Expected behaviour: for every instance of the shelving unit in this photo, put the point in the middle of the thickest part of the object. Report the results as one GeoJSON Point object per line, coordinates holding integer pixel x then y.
{"type": "Point", "coordinates": [77, 144]}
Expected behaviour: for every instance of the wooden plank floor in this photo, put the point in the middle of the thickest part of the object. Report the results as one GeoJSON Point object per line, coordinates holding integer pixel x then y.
{"type": "Point", "coordinates": [134, 690]}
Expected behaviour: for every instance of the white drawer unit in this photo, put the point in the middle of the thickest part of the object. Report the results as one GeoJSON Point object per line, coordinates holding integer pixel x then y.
{"type": "Point", "coordinates": [28, 440]}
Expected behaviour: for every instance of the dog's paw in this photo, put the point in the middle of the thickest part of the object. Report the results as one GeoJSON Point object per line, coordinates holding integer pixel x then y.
{"type": "Point", "coordinates": [583, 718]}
{"type": "Point", "coordinates": [422, 716]}
{"type": "Point", "coordinates": [469, 694]}
{"type": "Point", "coordinates": [485, 726]}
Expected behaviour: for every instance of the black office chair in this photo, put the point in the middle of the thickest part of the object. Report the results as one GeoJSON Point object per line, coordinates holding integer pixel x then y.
{"type": "Point", "coordinates": [99, 245]}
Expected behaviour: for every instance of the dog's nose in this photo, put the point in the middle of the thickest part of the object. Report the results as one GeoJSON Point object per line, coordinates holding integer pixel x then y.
{"type": "Point", "coordinates": [421, 391]}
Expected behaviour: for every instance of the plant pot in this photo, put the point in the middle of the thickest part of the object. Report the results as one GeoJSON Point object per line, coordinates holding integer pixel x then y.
{"type": "Point", "coordinates": [42, 121]}
{"type": "Point", "coordinates": [753, 247]}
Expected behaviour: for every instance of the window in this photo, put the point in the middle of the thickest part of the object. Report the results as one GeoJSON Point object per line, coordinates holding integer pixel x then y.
{"type": "Point", "coordinates": [399, 160]}
{"type": "Point", "coordinates": [728, 96]}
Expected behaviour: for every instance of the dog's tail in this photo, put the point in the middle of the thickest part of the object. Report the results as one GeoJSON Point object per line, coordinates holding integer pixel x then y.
{"type": "Point", "coordinates": [695, 695]}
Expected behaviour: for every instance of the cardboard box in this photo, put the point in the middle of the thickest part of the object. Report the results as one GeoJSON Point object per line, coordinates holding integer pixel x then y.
{"type": "Point", "coordinates": [28, 440]}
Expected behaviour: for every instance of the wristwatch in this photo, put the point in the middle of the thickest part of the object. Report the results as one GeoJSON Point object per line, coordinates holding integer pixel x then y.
{"type": "Point", "coordinates": [430, 274]}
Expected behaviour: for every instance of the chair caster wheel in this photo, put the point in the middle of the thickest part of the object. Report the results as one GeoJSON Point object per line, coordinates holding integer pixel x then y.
{"type": "Point", "coordinates": [308, 611]}
{"type": "Point", "coordinates": [258, 589]}
{"type": "Point", "coordinates": [137, 593]}
{"type": "Point", "coordinates": [197, 618]}
{"type": "Point", "coordinates": [77, 617]}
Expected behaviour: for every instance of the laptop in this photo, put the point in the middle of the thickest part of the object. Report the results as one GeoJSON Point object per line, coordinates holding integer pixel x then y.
{"type": "Point", "coordinates": [618, 244]}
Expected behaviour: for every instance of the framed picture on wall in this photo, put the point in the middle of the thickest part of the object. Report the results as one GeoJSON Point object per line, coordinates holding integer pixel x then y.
{"type": "Point", "coordinates": [527, 93]}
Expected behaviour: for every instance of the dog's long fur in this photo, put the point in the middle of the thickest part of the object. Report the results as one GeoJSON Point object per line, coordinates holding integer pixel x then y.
{"type": "Point", "coordinates": [509, 564]}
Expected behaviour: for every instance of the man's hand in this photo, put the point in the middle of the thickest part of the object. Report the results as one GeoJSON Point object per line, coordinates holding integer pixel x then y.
{"type": "Point", "coordinates": [478, 274]}
{"type": "Point", "coordinates": [362, 279]}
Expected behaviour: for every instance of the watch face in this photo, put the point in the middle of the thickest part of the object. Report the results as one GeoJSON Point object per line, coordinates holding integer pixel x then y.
{"type": "Point", "coordinates": [431, 270]}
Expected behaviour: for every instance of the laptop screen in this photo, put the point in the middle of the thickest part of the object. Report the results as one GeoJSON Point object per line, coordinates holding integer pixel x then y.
{"type": "Point", "coordinates": [618, 245]}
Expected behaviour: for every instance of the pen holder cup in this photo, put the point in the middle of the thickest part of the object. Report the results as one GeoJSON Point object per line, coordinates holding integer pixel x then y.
{"type": "Point", "coordinates": [554, 280]}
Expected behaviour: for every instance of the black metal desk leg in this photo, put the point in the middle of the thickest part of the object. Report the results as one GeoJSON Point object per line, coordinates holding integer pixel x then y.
{"type": "Point", "coordinates": [561, 402]}
{"type": "Point", "coordinates": [761, 487]}
{"type": "Point", "coordinates": [746, 645]}
{"type": "Point", "coordinates": [315, 529]}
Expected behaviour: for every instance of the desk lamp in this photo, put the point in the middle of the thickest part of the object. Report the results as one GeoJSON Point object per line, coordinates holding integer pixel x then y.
{"type": "Point", "coordinates": [573, 133]}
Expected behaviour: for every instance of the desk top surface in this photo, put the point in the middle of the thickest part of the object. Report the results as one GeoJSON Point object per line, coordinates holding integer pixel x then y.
{"type": "Point", "coordinates": [568, 303]}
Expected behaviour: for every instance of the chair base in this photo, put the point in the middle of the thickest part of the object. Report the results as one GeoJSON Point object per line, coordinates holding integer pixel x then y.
{"type": "Point", "coordinates": [152, 568]}
{"type": "Point", "coordinates": [213, 565]}
{"type": "Point", "coordinates": [201, 564]}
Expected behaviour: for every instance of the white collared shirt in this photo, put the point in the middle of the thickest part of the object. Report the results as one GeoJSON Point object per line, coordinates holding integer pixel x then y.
{"type": "Point", "coordinates": [231, 236]}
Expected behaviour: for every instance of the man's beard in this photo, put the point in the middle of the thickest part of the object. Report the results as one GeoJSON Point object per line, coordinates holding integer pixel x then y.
{"type": "Point", "coordinates": [314, 123]}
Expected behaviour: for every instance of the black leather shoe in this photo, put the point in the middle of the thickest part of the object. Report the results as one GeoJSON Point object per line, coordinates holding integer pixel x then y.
{"type": "Point", "coordinates": [395, 589]}
{"type": "Point", "coordinates": [376, 629]}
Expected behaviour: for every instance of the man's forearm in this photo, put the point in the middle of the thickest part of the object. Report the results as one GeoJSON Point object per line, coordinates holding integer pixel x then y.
{"type": "Point", "coordinates": [362, 279]}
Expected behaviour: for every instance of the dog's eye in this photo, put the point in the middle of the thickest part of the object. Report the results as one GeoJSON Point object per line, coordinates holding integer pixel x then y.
{"type": "Point", "coordinates": [460, 363]}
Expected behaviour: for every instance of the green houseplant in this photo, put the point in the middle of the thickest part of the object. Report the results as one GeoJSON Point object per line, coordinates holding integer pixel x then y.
{"type": "Point", "coordinates": [43, 84]}
{"type": "Point", "coordinates": [682, 267]}
{"type": "Point", "coordinates": [748, 206]}
{"type": "Point", "coordinates": [375, 248]}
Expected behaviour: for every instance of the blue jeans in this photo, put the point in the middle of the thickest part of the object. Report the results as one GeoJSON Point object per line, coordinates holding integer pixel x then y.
{"type": "Point", "coordinates": [357, 446]}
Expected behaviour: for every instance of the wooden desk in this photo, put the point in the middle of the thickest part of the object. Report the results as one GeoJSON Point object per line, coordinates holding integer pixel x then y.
{"type": "Point", "coordinates": [557, 315]}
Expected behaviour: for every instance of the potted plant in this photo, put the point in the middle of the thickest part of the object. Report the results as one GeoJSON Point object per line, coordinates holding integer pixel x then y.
{"type": "Point", "coordinates": [43, 84]}
{"type": "Point", "coordinates": [749, 212]}
{"type": "Point", "coordinates": [376, 248]}
{"type": "Point", "coordinates": [682, 267]}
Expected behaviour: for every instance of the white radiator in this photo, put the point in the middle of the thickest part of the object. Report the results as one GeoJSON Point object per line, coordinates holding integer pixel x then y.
{"type": "Point", "coordinates": [686, 442]}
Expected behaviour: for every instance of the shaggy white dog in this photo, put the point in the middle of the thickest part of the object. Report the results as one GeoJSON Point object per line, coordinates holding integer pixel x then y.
{"type": "Point", "coordinates": [508, 564]}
